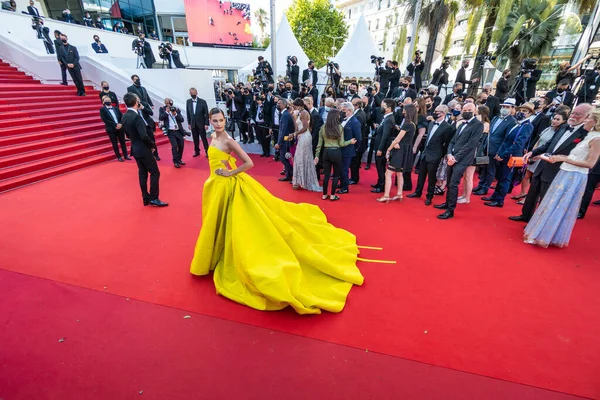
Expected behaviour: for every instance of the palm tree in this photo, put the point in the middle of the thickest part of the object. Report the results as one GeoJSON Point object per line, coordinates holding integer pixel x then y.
{"type": "Point", "coordinates": [531, 28]}
{"type": "Point", "coordinates": [434, 16]}
{"type": "Point", "coordinates": [262, 19]}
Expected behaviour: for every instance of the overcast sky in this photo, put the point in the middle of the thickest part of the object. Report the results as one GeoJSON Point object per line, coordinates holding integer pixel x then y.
{"type": "Point", "coordinates": [280, 6]}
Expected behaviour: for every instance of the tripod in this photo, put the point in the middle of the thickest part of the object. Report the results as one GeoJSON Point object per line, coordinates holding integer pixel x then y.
{"type": "Point", "coordinates": [140, 62]}
{"type": "Point", "coordinates": [513, 90]}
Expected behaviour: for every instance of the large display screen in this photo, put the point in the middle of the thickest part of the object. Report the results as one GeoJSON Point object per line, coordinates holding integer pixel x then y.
{"type": "Point", "coordinates": [218, 22]}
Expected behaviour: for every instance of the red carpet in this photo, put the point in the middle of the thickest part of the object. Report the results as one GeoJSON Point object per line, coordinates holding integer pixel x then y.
{"type": "Point", "coordinates": [201, 31]}
{"type": "Point", "coordinates": [466, 294]}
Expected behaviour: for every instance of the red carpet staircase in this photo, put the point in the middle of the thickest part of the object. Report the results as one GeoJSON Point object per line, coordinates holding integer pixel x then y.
{"type": "Point", "coordinates": [46, 130]}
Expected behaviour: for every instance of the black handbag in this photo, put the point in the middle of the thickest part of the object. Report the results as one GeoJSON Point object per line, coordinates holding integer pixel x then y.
{"type": "Point", "coordinates": [484, 160]}
{"type": "Point", "coordinates": [230, 126]}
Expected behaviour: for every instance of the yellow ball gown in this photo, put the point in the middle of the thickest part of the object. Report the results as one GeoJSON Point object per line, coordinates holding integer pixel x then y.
{"type": "Point", "coordinates": [267, 253]}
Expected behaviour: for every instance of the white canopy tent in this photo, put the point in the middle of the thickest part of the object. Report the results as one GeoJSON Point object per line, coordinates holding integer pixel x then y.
{"type": "Point", "coordinates": [354, 58]}
{"type": "Point", "coordinates": [287, 45]}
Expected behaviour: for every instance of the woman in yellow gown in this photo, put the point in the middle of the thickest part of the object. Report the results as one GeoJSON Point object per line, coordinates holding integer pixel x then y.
{"type": "Point", "coordinates": [267, 253]}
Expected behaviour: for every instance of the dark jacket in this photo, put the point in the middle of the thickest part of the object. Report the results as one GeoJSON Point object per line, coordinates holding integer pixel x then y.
{"type": "Point", "coordinates": [548, 171]}
{"type": "Point", "coordinates": [101, 48]}
{"type": "Point", "coordinates": [497, 136]}
{"type": "Point", "coordinates": [515, 141]}
{"type": "Point", "coordinates": [502, 88]}
{"type": "Point", "coordinates": [112, 95]}
{"type": "Point", "coordinates": [200, 118]}
{"type": "Point", "coordinates": [316, 122]}
{"type": "Point", "coordinates": [135, 129]}
{"type": "Point", "coordinates": [306, 74]}
{"type": "Point", "coordinates": [440, 77]}
{"type": "Point", "coordinates": [415, 72]}
{"type": "Point", "coordinates": [68, 54]}
{"type": "Point", "coordinates": [385, 134]}
{"type": "Point", "coordinates": [493, 103]}
{"type": "Point", "coordinates": [109, 122]}
{"type": "Point", "coordinates": [164, 116]}
{"type": "Point", "coordinates": [465, 141]}
{"type": "Point", "coordinates": [286, 127]}
{"type": "Point", "coordinates": [351, 130]}
{"type": "Point", "coordinates": [437, 147]}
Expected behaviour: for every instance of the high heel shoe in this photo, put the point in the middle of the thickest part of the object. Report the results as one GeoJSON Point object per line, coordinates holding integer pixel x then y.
{"type": "Point", "coordinates": [397, 198]}
{"type": "Point", "coordinates": [383, 199]}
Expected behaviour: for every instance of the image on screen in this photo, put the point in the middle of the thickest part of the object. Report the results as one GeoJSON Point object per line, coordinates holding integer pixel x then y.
{"type": "Point", "coordinates": [218, 22]}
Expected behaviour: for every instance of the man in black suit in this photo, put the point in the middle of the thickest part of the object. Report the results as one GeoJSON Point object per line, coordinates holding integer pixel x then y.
{"type": "Point", "coordinates": [69, 56]}
{"type": "Point", "coordinates": [404, 90]}
{"type": "Point", "coordinates": [286, 128]}
{"type": "Point", "coordinates": [394, 78]}
{"type": "Point", "coordinates": [384, 135]}
{"type": "Point", "coordinates": [361, 146]}
{"type": "Point", "coordinates": [235, 105]}
{"type": "Point", "coordinates": [456, 91]}
{"type": "Point", "coordinates": [461, 75]}
{"type": "Point", "coordinates": [172, 121]}
{"type": "Point", "coordinates": [145, 108]}
{"type": "Point", "coordinates": [440, 76]}
{"type": "Point", "coordinates": [591, 83]}
{"type": "Point", "coordinates": [385, 74]}
{"type": "Point", "coordinates": [107, 92]}
{"type": "Point", "coordinates": [376, 117]}
{"type": "Point", "coordinates": [310, 74]}
{"type": "Point", "coordinates": [197, 117]}
{"type": "Point", "coordinates": [58, 44]}
{"type": "Point", "coordinates": [352, 130]}
{"type": "Point", "coordinates": [562, 143]}
{"type": "Point", "coordinates": [293, 72]}
{"type": "Point", "coordinates": [141, 148]}
{"type": "Point", "coordinates": [439, 135]}
{"type": "Point", "coordinates": [502, 85]}
{"type": "Point", "coordinates": [289, 94]}
{"type": "Point", "coordinates": [461, 152]}
{"type": "Point", "coordinates": [526, 86]}
{"type": "Point", "coordinates": [316, 123]}
{"type": "Point", "coordinates": [32, 9]}
{"type": "Point", "coordinates": [415, 68]}
{"type": "Point", "coordinates": [489, 100]}
{"type": "Point", "coordinates": [561, 94]}
{"type": "Point", "coordinates": [111, 116]}
{"type": "Point", "coordinates": [540, 122]}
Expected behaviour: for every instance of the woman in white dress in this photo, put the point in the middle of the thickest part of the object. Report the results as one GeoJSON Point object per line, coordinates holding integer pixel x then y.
{"type": "Point", "coordinates": [553, 221]}
{"type": "Point", "coordinates": [305, 175]}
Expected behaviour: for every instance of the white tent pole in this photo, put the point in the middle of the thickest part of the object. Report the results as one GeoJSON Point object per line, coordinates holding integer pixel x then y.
{"type": "Point", "coordinates": [273, 41]}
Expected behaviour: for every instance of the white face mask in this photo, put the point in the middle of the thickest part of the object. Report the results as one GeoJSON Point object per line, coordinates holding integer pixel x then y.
{"type": "Point", "coordinates": [327, 108]}
{"type": "Point", "coordinates": [504, 112]}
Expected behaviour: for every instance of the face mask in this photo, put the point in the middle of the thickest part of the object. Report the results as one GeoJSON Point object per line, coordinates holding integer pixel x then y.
{"type": "Point", "coordinates": [194, 96]}
{"type": "Point", "coordinates": [429, 106]}
{"type": "Point", "coordinates": [107, 103]}
{"type": "Point", "coordinates": [560, 90]}
{"type": "Point", "coordinates": [171, 103]}
{"type": "Point", "coordinates": [64, 41]}
{"type": "Point", "coordinates": [520, 116]}
{"type": "Point", "coordinates": [455, 113]}
{"type": "Point", "coordinates": [404, 85]}
{"type": "Point", "coordinates": [97, 40]}
{"type": "Point", "coordinates": [504, 112]}
{"type": "Point", "coordinates": [352, 91]}
{"type": "Point", "coordinates": [137, 82]}
{"type": "Point", "coordinates": [467, 115]}
{"type": "Point", "coordinates": [431, 93]}
{"type": "Point", "coordinates": [105, 87]}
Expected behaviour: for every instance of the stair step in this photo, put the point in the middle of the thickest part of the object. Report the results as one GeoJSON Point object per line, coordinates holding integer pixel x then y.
{"type": "Point", "coordinates": [17, 80]}
{"type": "Point", "coordinates": [45, 100]}
{"type": "Point", "coordinates": [24, 147]}
{"type": "Point", "coordinates": [11, 72]}
{"type": "Point", "coordinates": [4, 132]}
{"type": "Point", "coordinates": [35, 87]}
{"type": "Point", "coordinates": [28, 137]}
{"type": "Point", "coordinates": [51, 172]}
{"type": "Point", "coordinates": [24, 113]}
{"type": "Point", "coordinates": [52, 152]}
{"type": "Point", "coordinates": [65, 116]}
{"type": "Point", "coordinates": [15, 75]}
{"type": "Point", "coordinates": [76, 102]}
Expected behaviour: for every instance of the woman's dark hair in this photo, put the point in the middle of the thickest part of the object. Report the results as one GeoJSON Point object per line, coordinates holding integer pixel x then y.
{"type": "Point", "coordinates": [215, 111]}
{"type": "Point", "coordinates": [332, 125]}
{"type": "Point", "coordinates": [411, 113]}
{"type": "Point", "coordinates": [484, 112]}
{"type": "Point", "coordinates": [299, 103]}
{"type": "Point", "coordinates": [563, 114]}
{"type": "Point", "coordinates": [422, 107]}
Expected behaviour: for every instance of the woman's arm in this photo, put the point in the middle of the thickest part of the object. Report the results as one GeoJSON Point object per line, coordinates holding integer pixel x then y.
{"type": "Point", "coordinates": [305, 122]}
{"type": "Point", "coordinates": [576, 66]}
{"type": "Point", "coordinates": [342, 142]}
{"type": "Point", "coordinates": [589, 162]}
{"type": "Point", "coordinates": [422, 131]}
{"type": "Point", "coordinates": [233, 146]}
{"type": "Point", "coordinates": [486, 127]}
{"type": "Point", "coordinates": [397, 140]}
{"type": "Point", "coordinates": [320, 144]}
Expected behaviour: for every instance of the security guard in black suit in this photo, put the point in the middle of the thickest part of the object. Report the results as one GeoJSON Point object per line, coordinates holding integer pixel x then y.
{"type": "Point", "coordinates": [69, 56]}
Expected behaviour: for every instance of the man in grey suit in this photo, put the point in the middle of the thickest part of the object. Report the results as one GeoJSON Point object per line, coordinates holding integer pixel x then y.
{"type": "Point", "coordinates": [461, 154]}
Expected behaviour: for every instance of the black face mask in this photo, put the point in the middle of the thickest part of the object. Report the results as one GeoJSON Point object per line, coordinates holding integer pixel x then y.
{"type": "Point", "coordinates": [194, 96]}
{"type": "Point", "coordinates": [171, 103]}
{"type": "Point", "coordinates": [431, 93]}
{"type": "Point", "coordinates": [105, 87]}
{"type": "Point", "coordinates": [560, 90]}
{"type": "Point", "coordinates": [429, 106]}
{"type": "Point", "coordinates": [107, 103]}
{"type": "Point", "coordinates": [137, 82]}
{"type": "Point", "coordinates": [404, 85]}
{"type": "Point", "coordinates": [64, 41]}
{"type": "Point", "coordinates": [97, 40]}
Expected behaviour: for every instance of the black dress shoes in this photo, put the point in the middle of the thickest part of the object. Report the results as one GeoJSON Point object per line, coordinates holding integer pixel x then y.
{"type": "Point", "coordinates": [376, 190]}
{"type": "Point", "coordinates": [181, 163]}
{"type": "Point", "coordinates": [480, 192]}
{"type": "Point", "coordinates": [342, 191]}
{"type": "Point", "coordinates": [367, 168]}
{"type": "Point", "coordinates": [127, 158]}
{"type": "Point", "coordinates": [157, 158]}
{"type": "Point", "coordinates": [446, 215]}
{"type": "Point", "coordinates": [427, 202]}
{"type": "Point", "coordinates": [580, 215]}
{"type": "Point", "coordinates": [285, 179]}
{"type": "Point", "coordinates": [488, 198]}
{"type": "Point", "coordinates": [196, 154]}
{"type": "Point", "coordinates": [177, 165]}
{"type": "Point", "coordinates": [413, 195]}
{"type": "Point", "coordinates": [146, 202]}
{"type": "Point", "coordinates": [352, 182]}
{"type": "Point", "coordinates": [443, 206]}
{"type": "Point", "coordinates": [518, 218]}
{"type": "Point", "coordinates": [120, 159]}
{"type": "Point", "coordinates": [158, 203]}
{"type": "Point", "coordinates": [493, 204]}
{"type": "Point", "coordinates": [597, 203]}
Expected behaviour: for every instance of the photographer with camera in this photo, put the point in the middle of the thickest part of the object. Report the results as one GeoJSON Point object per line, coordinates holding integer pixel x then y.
{"type": "Point", "coordinates": [526, 82]}
{"type": "Point", "coordinates": [589, 87]}
{"type": "Point", "coordinates": [310, 74]}
{"type": "Point", "coordinates": [440, 76]}
{"type": "Point", "coordinates": [263, 72]}
{"type": "Point", "coordinates": [415, 68]}
{"type": "Point", "coordinates": [334, 73]}
{"type": "Point", "coordinates": [143, 51]}
{"type": "Point", "coordinates": [235, 106]}
{"type": "Point", "coordinates": [561, 95]}
{"type": "Point", "coordinates": [293, 72]}
{"type": "Point", "coordinates": [167, 53]}
{"type": "Point", "coordinates": [172, 121]}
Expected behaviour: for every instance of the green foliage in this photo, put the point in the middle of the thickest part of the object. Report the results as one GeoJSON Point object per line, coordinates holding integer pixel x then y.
{"type": "Point", "coordinates": [473, 24]}
{"type": "Point", "coordinates": [266, 41]}
{"type": "Point", "coordinates": [503, 11]}
{"type": "Point", "coordinates": [400, 44]}
{"type": "Point", "coordinates": [572, 24]}
{"type": "Point", "coordinates": [261, 17]}
{"type": "Point", "coordinates": [315, 22]}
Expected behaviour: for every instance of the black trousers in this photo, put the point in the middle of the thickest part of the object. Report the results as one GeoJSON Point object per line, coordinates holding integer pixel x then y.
{"type": "Point", "coordinates": [536, 193]}
{"type": "Point", "coordinates": [455, 174]}
{"type": "Point", "coordinates": [355, 166]}
{"type": "Point", "coordinates": [262, 134]}
{"type": "Point", "coordinates": [380, 162]}
{"type": "Point", "coordinates": [77, 79]}
{"type": "Point", "coordinates": [370, 153]}
{"type": "Point", "coordinates": [590, 187]}
{"type": "Point", "coordinates": [332, 159]}
{"type": "Point", "coordinates": [115, 139]}
{"type": "Point", "coordinates": [407, 175]}
{"type": "Point", "coordinates": [63, 73]}
{"type": "Point", "coordinates": [427, 170]}
{"type": "Point", "coordinates": [150, 132]}
{"type": "Point", "coordinates": [147, 166]}
{"type": "Point", "coordinates": [198, 133]}
{"type": "Point", "coordinates": [177, 145]}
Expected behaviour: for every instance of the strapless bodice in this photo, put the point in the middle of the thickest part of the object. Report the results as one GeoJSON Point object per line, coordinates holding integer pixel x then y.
{"type": "Point", "coordinates": [216, 158]}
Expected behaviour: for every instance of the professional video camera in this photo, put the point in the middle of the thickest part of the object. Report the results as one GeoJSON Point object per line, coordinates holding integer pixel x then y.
{"type": "Point", "coordinates": [377, 60]}
{"type": "Point", "coordinates": [261, 72]}
{"type": "Point", "coordinates": [289, 60]}
{"type": "Point", "coordinates": [528, 65]}
{"type": "Point", "coordinates": [138, 47]}
{"type": "Point", "coordinates": [482, 58]}
{"type": "Point", "coordinates": [164, 50]}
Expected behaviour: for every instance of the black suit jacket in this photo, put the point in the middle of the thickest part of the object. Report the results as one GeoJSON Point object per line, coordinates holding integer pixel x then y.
{"type": "Point", "coordinates": [394, 79]}
{"type": "Point", "coordinates": [135, 129]}
{"type": "Point", "coordinates": [385, 134]}
{"type": "Point", "coordinates": [33, 11]}
{"type": "Point", "coordinates": [112, 95]}
{"type": "Point", "coordinates": [540, 123]}
{"type": "Point", "coordinates": [548, 171]}
{"type": "Point", "coordinates": [308, 74]}
{"type": "Point", "coordinates": [404, 93]}
{"type": "Point", "coordinates": [361, 116]}
{"type": "Point", "coordinates": [449, 98]}
{"type": "Point", "coordinates": [142, 94]}
{"type": "Point", "coordinates": [465, 141]}
{"type": "Point", "coordinates": [163, 115]}
{"type": "Point", "coordinates": [440, 77]}
{"type": "Point", "coordinates": [200, 118]}
{"type": "Point", "coordinates": [502, 88]}
{"type": "Point", "coordinates": [437, 146]}
{"type": "Point", "coordinates": [568, 98]}
{"type": "Point", "coordinates": [109, 122]}
{"type": "Point", "coordinates": [58, 45]}
{"type": "Point", "coordinates": [493, 103]}
{"type": "Point", "coordinates": [415, 72]}
{"type": "Point", "coordinates": [69, 55]}
{"type": "Point", "coordinates": [316, 122]}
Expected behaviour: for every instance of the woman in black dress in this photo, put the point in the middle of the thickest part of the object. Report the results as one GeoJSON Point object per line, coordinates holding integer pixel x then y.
{"type": "Point", "coordinates": [400, 153]}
